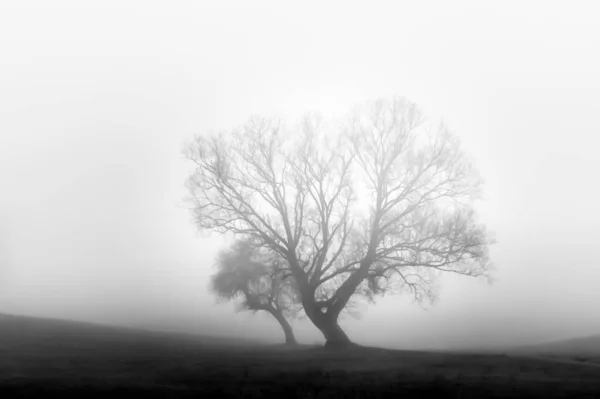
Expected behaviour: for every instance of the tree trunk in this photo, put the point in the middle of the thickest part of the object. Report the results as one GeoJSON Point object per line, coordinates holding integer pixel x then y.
{"type": "Point", "coordinates": [328, 324]}
{"type": "Point", "coordinates": [335, 337]}
{"type": "Point", "coordinates": [290, 338]}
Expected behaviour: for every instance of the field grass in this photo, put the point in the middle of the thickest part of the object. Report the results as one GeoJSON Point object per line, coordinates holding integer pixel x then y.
{"type": "Point", "coordinates": [41, 358]}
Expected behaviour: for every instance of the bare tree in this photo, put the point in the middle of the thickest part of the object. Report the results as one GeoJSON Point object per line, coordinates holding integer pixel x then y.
{"type": "Point", "coordinates": [379, 202]}
{"type": "Point", "coordinates": [264, 286]}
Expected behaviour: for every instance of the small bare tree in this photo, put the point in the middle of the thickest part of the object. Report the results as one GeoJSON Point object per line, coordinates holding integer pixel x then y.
{"type": "Point", "coordinates": [261, 283]}
{"type": "Point", "coordinates": [379, 202]}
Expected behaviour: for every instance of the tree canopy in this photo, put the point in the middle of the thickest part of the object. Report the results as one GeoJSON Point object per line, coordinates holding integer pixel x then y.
{"type": "Point", "coordinates": [243, 272]}
{"type": "Point", "coordinates": [380, 201]}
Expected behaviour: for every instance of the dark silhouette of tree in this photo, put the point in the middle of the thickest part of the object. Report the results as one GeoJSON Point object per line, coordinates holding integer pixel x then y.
{"type": "Point", "coordinates": [243, 271]}
{"type": "Point", "coordinates": [377, 203]}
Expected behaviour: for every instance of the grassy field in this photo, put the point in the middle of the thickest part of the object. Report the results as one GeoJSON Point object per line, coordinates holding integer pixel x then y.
{"type": "Point", "coordinates": [39, 358]}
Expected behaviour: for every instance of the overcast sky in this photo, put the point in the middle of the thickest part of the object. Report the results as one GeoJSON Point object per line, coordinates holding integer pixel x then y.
{"type": "Point", "coordinates": [98, 97]}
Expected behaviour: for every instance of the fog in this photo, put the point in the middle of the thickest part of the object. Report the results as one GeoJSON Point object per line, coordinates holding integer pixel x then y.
{"type": "Point", "coordinates": [98, 98]}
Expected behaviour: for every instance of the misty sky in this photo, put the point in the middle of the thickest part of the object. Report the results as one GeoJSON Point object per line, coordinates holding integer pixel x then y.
{"type": "Point", "coordinates": [98, 97]}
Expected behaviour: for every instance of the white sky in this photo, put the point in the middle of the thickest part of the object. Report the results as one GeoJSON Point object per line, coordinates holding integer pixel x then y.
{"type": "Point", "coordinates": [97, 98]}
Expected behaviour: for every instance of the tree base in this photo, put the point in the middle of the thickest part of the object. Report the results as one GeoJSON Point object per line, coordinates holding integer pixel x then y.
{"type": "Point", "coordinates": [340, 345]}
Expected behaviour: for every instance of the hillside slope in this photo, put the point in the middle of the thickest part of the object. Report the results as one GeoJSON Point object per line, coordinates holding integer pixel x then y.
{"type": "Point", "coordinates": [15, 330]}
{"type": "Point", "coordinates": [577, 347]}
{"type": "Point", "coordinates": [41, 358]}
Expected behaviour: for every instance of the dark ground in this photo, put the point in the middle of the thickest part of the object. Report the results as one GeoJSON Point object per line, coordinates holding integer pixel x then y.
{"type": "Point", "coordinates": [42, 358]}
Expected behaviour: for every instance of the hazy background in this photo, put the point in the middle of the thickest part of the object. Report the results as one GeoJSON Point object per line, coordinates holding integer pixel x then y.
{"type": "Point", "coordinates": [98, 97]}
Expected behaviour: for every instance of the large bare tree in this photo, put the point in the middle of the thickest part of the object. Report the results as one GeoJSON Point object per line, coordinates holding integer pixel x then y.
{"type": "Point", "coordinates": [378, 202]}
{"type": "Point", "coordinates": [263, 285]}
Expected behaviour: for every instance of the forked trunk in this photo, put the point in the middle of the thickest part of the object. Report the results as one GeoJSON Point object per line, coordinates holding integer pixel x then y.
{"type": "Point", "coordinates": [290, 338]}
{"type": "Point", "coordinates": [328, 324]}
{"type": "Point", "coordinates": [335, 337]}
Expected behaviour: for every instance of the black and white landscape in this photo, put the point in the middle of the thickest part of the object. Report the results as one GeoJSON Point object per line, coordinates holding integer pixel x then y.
{"type": "Point", "coordinates": [312, 199]}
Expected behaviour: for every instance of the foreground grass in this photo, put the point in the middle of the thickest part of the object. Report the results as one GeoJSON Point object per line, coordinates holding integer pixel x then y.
{"type": "Point", "coordinates": [73, 361]}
